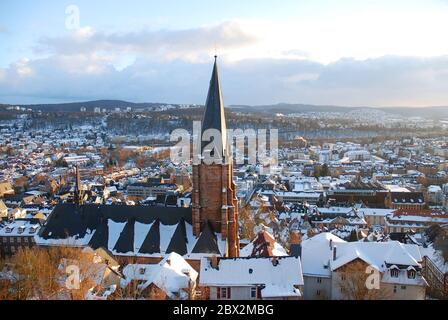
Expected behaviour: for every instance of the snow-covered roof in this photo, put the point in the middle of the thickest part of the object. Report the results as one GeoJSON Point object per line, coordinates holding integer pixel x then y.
{"type": "Point", "coordinates": [316, 253]}
{"type": "Point", "coordinates": [375, 212]}
{"type": "Point", "coordinates": [335, 210]}
{"type": "Point", "coordinates": [417, 218]}
{"type": "Point", "coordinates": [141, 230]}
{"type": "Point", "coordinates": [171, 275]}
{"type": "Point", "coordinates": [263, 244]}
{"type": "Point", "coordinates": [436, 257]}
{"type": "Point", "coordinates": [376, 254]}
{"type": "Point", "coordinates": [396, 188]}
{"type": "Point", "coordinates": [20, 228]}
{"type": "Point", "coordinates": [277, 275]}
{"type": "Point", "coordinates": [293, 194]}
{"type": "Point", "coordinates": [144, 231]}
{"type": "Point", "coordinates": [434, 189]}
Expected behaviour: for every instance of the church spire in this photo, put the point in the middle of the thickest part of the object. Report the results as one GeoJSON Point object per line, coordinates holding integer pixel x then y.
{"type": "Point", "coordinates": [214, 117]}
{"type": "Point", "coordinates": [214, 202]}
{"type": "Point", "coordinates": [78, 194]}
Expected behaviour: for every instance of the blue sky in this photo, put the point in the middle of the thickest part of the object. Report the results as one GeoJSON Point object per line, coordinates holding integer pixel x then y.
{"type": "Point", "coordinates": [323, 52]}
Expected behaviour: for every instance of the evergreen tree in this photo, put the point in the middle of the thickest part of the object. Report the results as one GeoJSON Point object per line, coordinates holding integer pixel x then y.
{"type": "Point", "coordinates": [324, 170]}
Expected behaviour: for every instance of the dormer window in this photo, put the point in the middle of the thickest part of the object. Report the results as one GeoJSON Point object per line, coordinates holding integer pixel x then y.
{"type": "Point", "coordinates": [20, 230]}
{"type": "Point", "coordinates": [394, 272]}
{"type": "Point", "coordinates": [8, 229]}
{"type": "Point", "coordinates": [411, 274]}
{"type": "Point", "coordinates": [142, 270]}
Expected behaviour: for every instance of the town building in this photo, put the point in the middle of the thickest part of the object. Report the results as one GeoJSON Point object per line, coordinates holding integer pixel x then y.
{"type": "Point", "coordinates": [414, 220]}
{"type": "Point", "coordinates": [252, 278]}
{"type": "Point", "coordinates": [331, 266]}
{"type": "Point", "coordinates": [17, 234]}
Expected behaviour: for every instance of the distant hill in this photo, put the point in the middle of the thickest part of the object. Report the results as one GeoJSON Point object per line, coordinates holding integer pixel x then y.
{"type": "Point", "coordinates": [91, 105]}
{"type": "Point", "coordinates": [285, 108]}
{"type": "Point", "coordinates": [425, 112]}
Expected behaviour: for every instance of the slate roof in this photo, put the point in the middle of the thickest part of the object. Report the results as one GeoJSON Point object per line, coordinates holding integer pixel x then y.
{"type": "Point", "coordinates": [151, 244]}
{"type": "Point", "coordinates": [125, 242]}
{"type": "Point", "coordinates": [214, 117]}
{"type": "Point", "coordinates": [207, 241]}
{"type": "Point", "coordinates": [114, 227]}
{"type": "Point", "coordinates": [179, 240]}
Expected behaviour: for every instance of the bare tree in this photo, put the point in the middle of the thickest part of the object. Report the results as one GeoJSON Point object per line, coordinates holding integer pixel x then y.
{"type": "Point", "coordinates": [352, 280]}
{"type": "Point", "coordinates": [40, 274]}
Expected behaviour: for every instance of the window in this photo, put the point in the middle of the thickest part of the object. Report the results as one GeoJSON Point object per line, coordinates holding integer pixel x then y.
{"type": "Point", "coordinates": [19, 240]}
{"type": "Point", "coordinates": [411, 274]}
{"type": "Point", "coordinates": [318, 293]}
{"type": "Point", "coordinates": [343, 277]}
{"type": "Point", "coordinates": [394, 272]}
{"type": "Point", "coordinates": [5, 240]}
{"type": "Point", "coordinates": [395, 289]}
{"type": "Point", "coordinates": [403, 287]}
{"type": "Point", "coordinates": [224, 293]}
{"type": "Point", "coordinates": [253, 292]}
{"type": "Point", "coordinates": [319, 280]}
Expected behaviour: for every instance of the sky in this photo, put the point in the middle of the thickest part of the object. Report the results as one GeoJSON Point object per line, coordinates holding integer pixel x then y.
{"type": "Point", "coordinates": [354, 53]}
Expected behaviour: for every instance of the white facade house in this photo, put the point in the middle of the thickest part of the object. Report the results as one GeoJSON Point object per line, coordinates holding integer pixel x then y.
{"type": "Point", "coordinates": [435, 195]}
{"type": "Point", "coordinates": [398, 265]}
{"type": "Point", "coordinates": [316, 254]}
{"type": "Point", "coordinates": [252, 278]}
{"type": "Point", "coordinates": [375, 216]}
{"type": "Point", "coordinates": [173, 275]}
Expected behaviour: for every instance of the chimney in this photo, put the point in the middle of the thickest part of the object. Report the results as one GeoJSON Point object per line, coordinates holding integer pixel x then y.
{"type": "Point", "coordinates": [334, 253]}
{"type": "Point", "coordinates": [331, 244]}
{"type": "Point", "coordinates": [214, 262]}
{"type": "Point", "coordinates": [186, 272]}
{"type": "Point", "coordinates": [295, 237]}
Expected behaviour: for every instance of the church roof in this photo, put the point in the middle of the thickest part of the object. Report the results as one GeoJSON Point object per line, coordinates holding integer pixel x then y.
{"type": "Point", "coordinates": [214, 117]}
{"type": "Point", "coordinates": [129, 230]}
{"type": "Point", "coordinates": [207, 241]}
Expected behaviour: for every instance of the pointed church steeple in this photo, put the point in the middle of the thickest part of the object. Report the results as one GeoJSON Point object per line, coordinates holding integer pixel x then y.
{"type": "Point", "coordinates": [214, 201]}
{"type": "Point", "coordinates": [214, 117]}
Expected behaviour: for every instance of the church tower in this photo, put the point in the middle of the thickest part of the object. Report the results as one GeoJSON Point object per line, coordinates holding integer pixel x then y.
{"type": "Point", "coordinates": [214, 199]}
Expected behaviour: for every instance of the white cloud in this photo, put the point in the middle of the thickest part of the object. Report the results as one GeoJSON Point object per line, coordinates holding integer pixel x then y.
{"type": "Point", "coordinates": [384, 81]}
{"type": "Point", "coordinates": [263, 62]}
{"type": "Point", "coordinates": [190, 44]}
